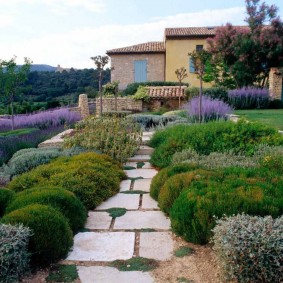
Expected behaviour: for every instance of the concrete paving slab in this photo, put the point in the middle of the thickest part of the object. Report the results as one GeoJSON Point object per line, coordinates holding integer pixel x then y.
{"type": "Point", "coordinates": [156, 245]}
{"type": "Point", "coordinates": [148, 202]}
{"type": "Point", "coordinates": [144, 149]}
{"type": "Point", "coordinates": [102, 246]}
{"type": "Point", "coordinates": [145, 173]}
{"type": "Point", "coordinates": [142, 219]}
{"type": "Point", "coordinates": [105, 274]}
{"type": "Point", "coordinates": [125, 185]}
{"type": "Point", "coordinates": [142, 185]}
{"type": "Point", "coordinates": [127, 201]}
{"type": "Point", "coordinates": [98, 220]}
{"type": "Point", "coordinates": [139, 158]}
{"type": "Point", "coordinates": [150, 134]}
{"type": "Point", "coordinates": [147, 165]}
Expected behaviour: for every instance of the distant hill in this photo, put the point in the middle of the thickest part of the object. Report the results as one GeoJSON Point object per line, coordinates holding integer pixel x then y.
{"type": "Point", "coordinates": [41, 68]}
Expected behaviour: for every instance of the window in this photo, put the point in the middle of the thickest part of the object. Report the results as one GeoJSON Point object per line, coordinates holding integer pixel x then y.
{"type": "Point", "coordinates": [199, 48]}
{"type": "Point", "coordinates": [191, 65]}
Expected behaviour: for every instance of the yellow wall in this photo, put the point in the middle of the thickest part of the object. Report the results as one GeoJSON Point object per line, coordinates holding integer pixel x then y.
{"type": "Point", "coordinates": [177, 56]}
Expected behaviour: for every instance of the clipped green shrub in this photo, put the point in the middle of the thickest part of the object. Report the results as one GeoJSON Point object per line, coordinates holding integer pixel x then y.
{"type": "Point", "coordinates": [52, 235]}
{"type": "Point", "coordinates": [249, 248]}
{"type": "Point", "coordinates": [141, 94]}
{"type": "Point", "coordinates": [117, 137]}
{"type": "Point", "coordinates": [172, 188]}
{"type": "Point", "coordinates": [14, 255]}
{"type": "Point", "coordinates": [62, 200]}
{"type": "Point", "coordinates": [214, 92]}
{"type": "Point", "coordinates": [236, 138]}
{"type": "Point", "coordinates": [6, 196]}
{"type": "Point", "coordinates": [162, 176]}
{"type": "Point", "coordinates": [26, 159]}
{"type": "Point", "coordinates": [92, 177]}
{"type": "Point", "coordinates": [226, 192]}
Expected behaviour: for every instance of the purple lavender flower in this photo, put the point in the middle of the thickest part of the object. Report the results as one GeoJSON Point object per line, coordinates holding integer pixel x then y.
{"type": "Point", "coordinates": [212, 109]}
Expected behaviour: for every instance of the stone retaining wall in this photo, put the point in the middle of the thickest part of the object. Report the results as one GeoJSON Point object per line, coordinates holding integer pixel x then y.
{"type": "Point", "coordinates": [275, 84]}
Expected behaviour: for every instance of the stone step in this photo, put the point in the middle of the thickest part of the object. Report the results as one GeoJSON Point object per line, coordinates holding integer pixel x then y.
{"type": "Point", "coordinates": [139, 158]}
{"type": "Point", "coordinates": [144, 173]}
{"type": "Point", "coordinates": [145, 140]}
{"type": "Point", "coordinates": [145, 150]}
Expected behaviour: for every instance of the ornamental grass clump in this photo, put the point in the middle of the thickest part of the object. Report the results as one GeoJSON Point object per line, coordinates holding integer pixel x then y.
{"type": "Point", "coordinates": [249, 248]}
{"type": "Point", "coordinates": [212, 109]}
{"type": "Point", "coordinates": [248, 98]}
{"type": "Point", "coordinates": [114, 136]}
{"type": "Point", "coordinates": [14, 254]}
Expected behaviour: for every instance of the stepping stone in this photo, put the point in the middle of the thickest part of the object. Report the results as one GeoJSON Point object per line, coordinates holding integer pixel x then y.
{"type": "Point", "coordinates": [147, 165]}
{"type": "Point", "coordinates": [149, 134]}
{"type": "Point", "coordinates": [139, 158]}
{"type": "Point", "coordinates": [145, 173]}
{"type": "Point", "coordinates": [132, 164]}
{"type": "Point", "coordinates": [144, 149]}
{"type": "Point", "coordinates": [145, 140]}
{"type": "Point", "coordinates": [156, 245]}
{"type": "Point", "coordinates": [142, 185]}
{"type": "Point", "coordinates": [98, 220]}
{"type": "Point", "coordinates": [142, 219]}
{"type": "Point", "coordinates": [125, 185]}
{"type": "Point", "coordinates": [148, 202]}
{"type": "Point", "coordinates": [102, 246]}
{"type": "Point", "coordinates": [127, 201]}
{"type": "Point", "coordinates": [105, 274]}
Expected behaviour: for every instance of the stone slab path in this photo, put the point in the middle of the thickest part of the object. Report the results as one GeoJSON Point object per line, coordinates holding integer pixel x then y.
{"type": "Point", "coordinates": [142, 231]}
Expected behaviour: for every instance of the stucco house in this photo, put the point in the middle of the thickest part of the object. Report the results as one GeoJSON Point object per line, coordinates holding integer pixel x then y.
{"type": "Point", "coordinates": [157, 61]}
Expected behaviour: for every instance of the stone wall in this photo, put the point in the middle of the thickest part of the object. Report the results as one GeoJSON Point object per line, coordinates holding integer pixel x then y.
{"type": "Point", "coordinates": [275, 84]}
{"type": "Point", "coordinates": [124, 68]}
{"type": "Point", "coordinates": [83, 105]}
{"type": "Point", "coordinates": [123, 104]}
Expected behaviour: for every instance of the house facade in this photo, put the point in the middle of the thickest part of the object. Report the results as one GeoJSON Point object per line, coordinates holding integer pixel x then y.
{"type": "Point", "coordinates": [157, 61]}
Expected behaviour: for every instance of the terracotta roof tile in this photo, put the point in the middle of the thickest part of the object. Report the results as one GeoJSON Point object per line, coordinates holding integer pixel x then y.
{"type": "Point", "coordinates": [148, 47]}
{"type": "Point", "coordinates": [190, 32]}
{"type": "Point", "coordinates": [158, 92]}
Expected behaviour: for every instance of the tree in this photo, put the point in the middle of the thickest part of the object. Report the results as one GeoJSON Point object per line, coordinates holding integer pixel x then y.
{"type": "Point", "coordinates": [200, 59]}
{"type": "Point", "coordinates": [12, 78]}
{"type": "Point", "coordinates": [248, 53]}
{"type": "Point", "coordinates": [100, 62]}
{"type": "Point", "coordinates": [181, 74]}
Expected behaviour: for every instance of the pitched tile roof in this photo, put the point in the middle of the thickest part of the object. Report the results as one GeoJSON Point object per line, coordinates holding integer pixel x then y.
{"type": "Point", "coordinates": [148, 47]}
{"type": "Point", "coordinates": [158, 92]}
{"type": "Point", "coordinates": [189, 32]}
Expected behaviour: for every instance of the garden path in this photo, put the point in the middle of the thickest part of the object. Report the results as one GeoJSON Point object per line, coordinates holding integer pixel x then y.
{"type": "Point", "coordinates": [143, 231]}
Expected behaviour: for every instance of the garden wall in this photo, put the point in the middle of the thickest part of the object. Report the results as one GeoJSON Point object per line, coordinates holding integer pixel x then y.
{"type": "Point", "coordinates": [275, 83]}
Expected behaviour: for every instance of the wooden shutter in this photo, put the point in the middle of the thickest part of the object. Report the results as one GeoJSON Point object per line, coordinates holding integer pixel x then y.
{"type": "Point", "coordinates": [140, 71]}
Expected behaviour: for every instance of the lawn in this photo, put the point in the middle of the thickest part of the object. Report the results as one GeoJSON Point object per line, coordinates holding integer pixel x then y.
{"type": "Point", "coordinates": [270, 117]}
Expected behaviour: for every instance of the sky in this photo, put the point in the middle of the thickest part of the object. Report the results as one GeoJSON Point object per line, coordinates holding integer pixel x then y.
{"type": "Point", "coordinates": [69, 32]}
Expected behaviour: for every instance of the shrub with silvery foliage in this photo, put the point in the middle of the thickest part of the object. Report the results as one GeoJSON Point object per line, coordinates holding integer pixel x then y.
{"type": "Point", "coordinates": [14, 256]}
{"type": "Point", "coordinates": [250, 248]}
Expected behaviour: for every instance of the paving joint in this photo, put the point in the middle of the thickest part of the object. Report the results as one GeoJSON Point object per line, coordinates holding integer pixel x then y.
{"type": "Point", "coordinates": [137, 244]}
{"type": "Point", "coordinates": [140, 202]}
{"type": "Point", "coordinates": [112, 224]}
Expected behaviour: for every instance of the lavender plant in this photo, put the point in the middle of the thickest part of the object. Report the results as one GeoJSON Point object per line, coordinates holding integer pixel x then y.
{"type": "Point", "coordinates": [212, 109]}
{"type": "Point", "coordinates": [42, 120]}
{"type": "Point", "coordinates": [248, 98]}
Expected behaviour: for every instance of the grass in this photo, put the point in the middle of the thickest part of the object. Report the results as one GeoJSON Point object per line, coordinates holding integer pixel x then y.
{"type": "Point", "coordinates": [62, 273]}
{"type": "Point", "coordinates": [116, 211]}
{"type": "Point", "coordinates": [140, 164]}
{"type": "Point", "coordinates": [135, 264]}
{"type": "Point", "coordinates": [18, 132]}
{"type": "Point", "coordinates": [183, 251]}
{"type": "Point", "coordinates": [269, 117]}
{"type": "Point", "coordinates": [126, 167]}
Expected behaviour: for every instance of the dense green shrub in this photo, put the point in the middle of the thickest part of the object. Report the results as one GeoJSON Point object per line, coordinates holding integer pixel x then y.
{"type": "Point", "coordinates": [64, 201]}
{"type": "Point", "coordinates": [214, 160]}
{"type": "Point", "coordinates": [181, 113]}
{"type": "Point", "coordinates": [214, 92]}
{"type": "Point", "coordinates": [159, 179]}
{"type": "Point", "coordinates": [52, 235]}
{"type": "Point", "coordinates": [148, 121]}
{"type": "Point", "coordinates": [226, 192]}
{"type": "Point", "coordinates": [6, 196]}
{"type": "Point", "coordinates": [275, 104]}
{"type": "Point", "coordinates": [250, 248]}
{"type": "Point", "coordinates": [273, 162]}
{"type": "Point", "coordinates": [90, 176]}
{"type": "Point", "coordinates": [131, 89]}
{"type": "Point", "coordinates": [26, 159]}
{"type": "Point", "coordinates": [172, 188]}
{"type": "Point", "coordinates": [14, 256]}
{"type": "Point", "coordinates": [236, 138]}
{"type": "Point", "coordinates": [142, 94]}
{"type": "Point", "coordinates": [117, 137]}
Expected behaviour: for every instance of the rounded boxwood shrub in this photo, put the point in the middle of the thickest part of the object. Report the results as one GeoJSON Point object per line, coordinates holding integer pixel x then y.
{"type": "Point", "coordinates": [92, 177]}
{"type": "Point", "coordinates": [172, 188]}
{"type": "Point", "coordinates": [162, 176]}
{"type": "Point", "coordinates": [225, 193]}
{"type": "Point", "coordinates": [6, 197]}
{"type": "Point", "coordinates": [52, 236]}
{"type": "Point", "coordinates": [64, 201]}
